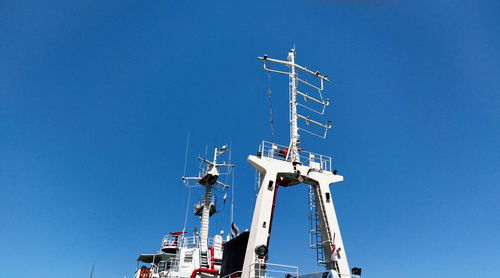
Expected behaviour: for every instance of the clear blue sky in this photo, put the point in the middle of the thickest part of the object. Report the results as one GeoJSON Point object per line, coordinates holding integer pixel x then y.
{"type": "Point", "coordinates": [97, 99]}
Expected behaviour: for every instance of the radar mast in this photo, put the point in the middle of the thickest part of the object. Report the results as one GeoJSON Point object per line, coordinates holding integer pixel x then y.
{"type": "Point", "coordinates": [283, 166]}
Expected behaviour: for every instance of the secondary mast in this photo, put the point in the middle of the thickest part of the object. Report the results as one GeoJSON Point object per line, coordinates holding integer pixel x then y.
{"type": "Point", "coordinates": [208, 178]}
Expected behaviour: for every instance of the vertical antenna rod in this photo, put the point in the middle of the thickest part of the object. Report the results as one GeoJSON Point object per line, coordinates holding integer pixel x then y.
{"type": "Point", "coordinates": [294, 131]}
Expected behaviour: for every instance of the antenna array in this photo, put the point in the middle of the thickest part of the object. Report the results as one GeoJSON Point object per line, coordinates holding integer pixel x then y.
{"type": "Point", "coordinates": [210, 170]}
{"type": "Point", "coordinates": [315, 104]}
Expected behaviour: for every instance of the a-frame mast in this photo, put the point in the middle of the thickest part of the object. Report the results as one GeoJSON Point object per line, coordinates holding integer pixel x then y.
{"type": "Point", "coordinates": [281, 166]}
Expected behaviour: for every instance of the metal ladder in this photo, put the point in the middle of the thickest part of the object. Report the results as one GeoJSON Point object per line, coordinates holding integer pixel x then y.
{"type": "Point", "coordinates": [204, 260]}
{"type": "Point", "coordinates": [205, 219]}
{"type": "Point", "coordinates": [315, 238]}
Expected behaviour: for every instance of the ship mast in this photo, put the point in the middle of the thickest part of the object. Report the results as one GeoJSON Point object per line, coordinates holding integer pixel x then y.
{"type": "Point", "coordinates": [293, 151]}
{"type": "Point", "coordinates": [208, 178]}
{"type": "Point", "coordinates": [281, 166]}
{"type": "Point", "coordinates": [294, 131]}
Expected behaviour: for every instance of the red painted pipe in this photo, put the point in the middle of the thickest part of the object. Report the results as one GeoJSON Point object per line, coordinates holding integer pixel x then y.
{"type": "Point", "coordinates": [212, 259]}
{"type": "Point", "coordinates": [205, 270]}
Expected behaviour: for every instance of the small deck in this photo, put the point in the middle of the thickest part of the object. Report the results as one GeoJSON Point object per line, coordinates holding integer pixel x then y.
{"type": "Point", "coordinates": [281, 152]}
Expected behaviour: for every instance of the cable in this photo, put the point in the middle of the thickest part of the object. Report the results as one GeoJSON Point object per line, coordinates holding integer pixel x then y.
{"type": "Point", "coordinates": [187, 209]}
{"type": "Point", "coordinates": [184, 174]}
{"type": "Point", "coordinates": [270, 97]}
{"type": "Point", "coordinates": [186, 155]}
{"type": "Point", "coordinates": [232, 197]}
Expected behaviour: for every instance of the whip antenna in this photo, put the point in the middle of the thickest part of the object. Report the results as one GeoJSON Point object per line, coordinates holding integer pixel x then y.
{"type": "Point", "coordinates": [189, 192]}
{"type": "Point", "coordinates": [270, 96]}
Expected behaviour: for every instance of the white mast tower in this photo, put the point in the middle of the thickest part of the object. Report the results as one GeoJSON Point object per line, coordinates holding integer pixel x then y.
{"type": "Point", "coordinates": [208, 178]}
{"type": "Point", "coordinates": [282, 166]}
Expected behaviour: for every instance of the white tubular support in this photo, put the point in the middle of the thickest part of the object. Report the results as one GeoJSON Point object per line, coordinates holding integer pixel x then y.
{"type": "Point", "coordinates": [294, 129]}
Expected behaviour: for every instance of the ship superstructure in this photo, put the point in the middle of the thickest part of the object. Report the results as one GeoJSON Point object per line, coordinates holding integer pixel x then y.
{"type": "Point", "coordinates": [246, 255]}
{"type": "Point", "coordinates": [197, 255]}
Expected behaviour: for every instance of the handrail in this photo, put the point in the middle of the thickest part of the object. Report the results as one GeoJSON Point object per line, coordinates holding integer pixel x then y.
{"type": "Point", "coordinates": [316, 161]}
{"type": "Point", "coordinates": [234, 273]}
{"type": "Point", "coordinates": [263, 269]}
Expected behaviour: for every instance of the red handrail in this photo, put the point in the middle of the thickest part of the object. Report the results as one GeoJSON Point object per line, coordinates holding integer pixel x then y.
{"type": "Point", "coordinates": [205, 270]}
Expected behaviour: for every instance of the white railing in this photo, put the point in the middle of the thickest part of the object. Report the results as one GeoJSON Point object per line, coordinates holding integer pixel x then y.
{"type": "Point", "coordinates": [280, 152]}
{"type": "Point", "coordinates": [183, 242]}
{"type": "Point", "coordinates": [173, 265]}
{"type": "Point", "coordinates": [269, 270]}
{"type": "Point", "coordinates": [201, 201]}
{"type": "Point", "coordinates": [180, 242]}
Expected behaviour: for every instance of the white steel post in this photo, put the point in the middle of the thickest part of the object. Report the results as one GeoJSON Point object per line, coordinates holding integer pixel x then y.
{"type": "Point", "coordinates": [261, 222]}
{"type": "Point", "coordinates": [294, 133]}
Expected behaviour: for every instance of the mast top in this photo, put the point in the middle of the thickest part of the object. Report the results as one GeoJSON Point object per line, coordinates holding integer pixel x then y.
{"type": "Point", "coordinates": [316, 104]}
{"type": "Point", "coordinates": [208, 175]}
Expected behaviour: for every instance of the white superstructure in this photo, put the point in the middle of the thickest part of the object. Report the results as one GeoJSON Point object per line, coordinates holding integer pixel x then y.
{"type": "Point", "coordinates": [197, 255]}
{"type": "Point", "coordinates": [246, 254]}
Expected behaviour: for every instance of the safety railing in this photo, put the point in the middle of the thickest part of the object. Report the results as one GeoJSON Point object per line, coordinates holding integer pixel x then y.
{"type": "Point", "coordinates": [172, 265]}
{"type": "Point", "coordinates": [183, 242]}
{"type": "Point", "coordinates": [180, 242]}
{"type": "Point", "coordinates": [199, 204]}
{"type": "Point", "coordinates": [269, 270]}
{"type": "Point", "coordinates": [280, 152]}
